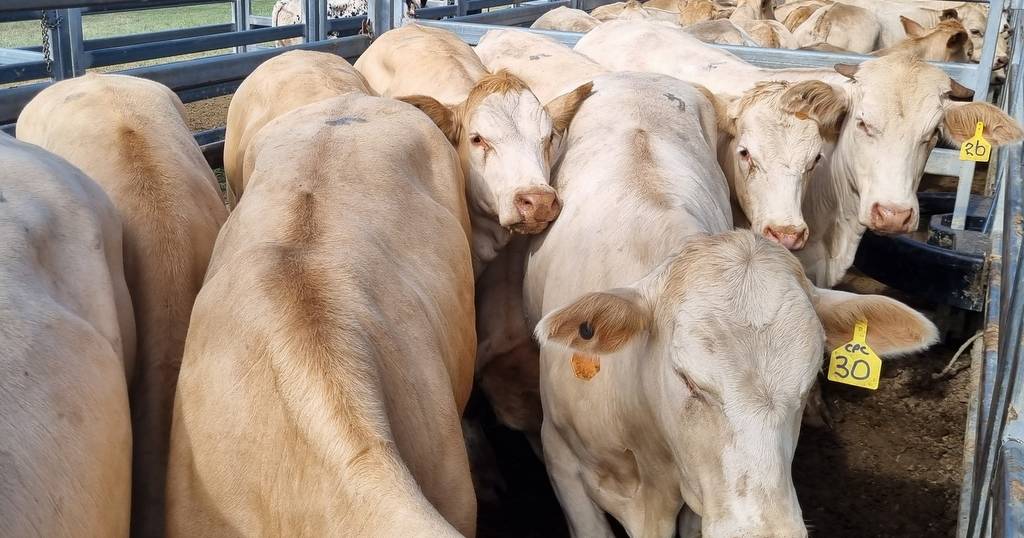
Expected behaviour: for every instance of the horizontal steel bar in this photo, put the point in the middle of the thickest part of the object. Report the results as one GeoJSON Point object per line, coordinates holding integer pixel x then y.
{"type": "Point", "coordinates": [98, 5]}
{"type": "Point", "coordinates": [259, 20]}
{"type": "Point", "coordinates": [346, 24]}
{"type": "Point", "coordinates": [193, 74]}
{"type": "Point", "coordinates": [471, 31]}
{"type": "Point", "coordinates": [436, 12]}
{"type": "Point", "coordinates": [17, 56]}
{"type": "Point", "coordinates": [943, 162]}
{"type": "Point", "coordinates": [153, 37]}
{"type": "Point", "coordinates": [188, 45]}
{"type": "Point", "coordinates": [20, 72]}
{"type": "Point", "coordinates": [209, 92]}
{"type": "Point", "coordinates": [512, 16]}
{"type": "Point", "coordinates": [15, 16]}
{"type": "Point", "coordinates": [124, 6]}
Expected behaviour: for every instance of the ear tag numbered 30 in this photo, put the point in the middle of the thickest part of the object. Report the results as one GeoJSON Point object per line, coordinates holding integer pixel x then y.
{"type": "Point", "coordinates": [854, 363]}
{"type": "Point", "coordinates": [976, 148]}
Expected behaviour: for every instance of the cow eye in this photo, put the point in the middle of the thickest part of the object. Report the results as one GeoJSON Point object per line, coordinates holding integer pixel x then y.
{"type": "Point", "coordinates": [743, 152]}
{"type": "Point", "coordinates": [817, 159]}
{"type": "Point", "coordinates": [975, 32]}
{"type": "Point", "coordinates": [478, 140]}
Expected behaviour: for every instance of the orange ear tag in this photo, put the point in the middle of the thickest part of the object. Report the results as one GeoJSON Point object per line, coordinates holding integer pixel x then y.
{"type": "Point", "coordinates": [585, 367]}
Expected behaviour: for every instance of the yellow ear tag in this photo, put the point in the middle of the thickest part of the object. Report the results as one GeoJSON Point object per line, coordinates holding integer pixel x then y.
{"type": "Point", "coordinates": [976, 148]}
{"type": "Point", "coordinates": [854, 363]}
{"type": "Point", "coordinates": [585, 367]}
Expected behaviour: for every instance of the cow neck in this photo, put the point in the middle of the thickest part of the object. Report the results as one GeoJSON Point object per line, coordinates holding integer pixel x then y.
{"type": "Point", "coordinates": [831, 210]}
{"type": "Point", "coordinates": [489, 237]}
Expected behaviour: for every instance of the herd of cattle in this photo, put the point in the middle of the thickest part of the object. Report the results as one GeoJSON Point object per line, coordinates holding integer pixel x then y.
{"type": "Point", "coordinates": [628, 247]}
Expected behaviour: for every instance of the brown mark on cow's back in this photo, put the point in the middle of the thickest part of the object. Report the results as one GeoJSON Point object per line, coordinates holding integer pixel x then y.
{"type": "Point", "coordinates": [643, 178]}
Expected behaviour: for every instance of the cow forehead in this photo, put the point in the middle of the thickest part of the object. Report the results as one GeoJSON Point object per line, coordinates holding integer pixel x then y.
{"type": "Point", "coordinates": [512, 114]}
{"type": "Point", "coordinates": [902, 89]}
{"type": "Point", "coordinates": [765, 126]}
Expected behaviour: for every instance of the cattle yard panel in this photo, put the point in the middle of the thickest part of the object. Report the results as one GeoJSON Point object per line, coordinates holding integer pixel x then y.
{"type": "Point", "coordinates": [992, 499]}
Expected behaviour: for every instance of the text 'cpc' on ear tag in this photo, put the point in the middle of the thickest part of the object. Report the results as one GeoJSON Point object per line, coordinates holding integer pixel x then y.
{"type": "Point", "coordinates": [854, 363]}
{"type": "Point", "coordinates": [585, 367]}
{"type": "Point", "coordinates": [976, 148]}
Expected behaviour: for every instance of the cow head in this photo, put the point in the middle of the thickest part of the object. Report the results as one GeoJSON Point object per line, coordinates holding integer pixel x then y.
{"type": "Point", "coordinates": [898, 107]}
{"type": "Point", "coordinates": [778, 136]}
{"type": "Point", "coordinates": [974, 18]}
{"type": "Point", "coordinates": [728, 336]}
{"type": "Point", "coordinates": [506, 141]}
{"type": "Point", "coordinates": [946, 42]}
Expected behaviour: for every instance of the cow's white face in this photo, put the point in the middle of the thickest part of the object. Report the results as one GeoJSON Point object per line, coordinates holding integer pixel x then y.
{"type": "Point", "coordinates": [898, 107]}
{"type": "Point", "coordinates": [506, 143]}
{"type": "Point", "coordinates": [732, 335]}
{"type": "Point", "coordinates": [974, 17]}
{"type": "Point", "coordinates": [773, 153]}
{"type": "Point", "coordinates": [506, 140]}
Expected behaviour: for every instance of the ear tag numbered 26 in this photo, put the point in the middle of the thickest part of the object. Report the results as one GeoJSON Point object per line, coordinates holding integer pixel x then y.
{"type": "Point", "coordinates": [976, 148]}
{"type": "Point", "coordinates": [854, 363]}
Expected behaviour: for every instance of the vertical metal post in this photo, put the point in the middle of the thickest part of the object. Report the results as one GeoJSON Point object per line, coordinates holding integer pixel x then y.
{"type": "Point", "coordinates": [241, 10]}
{"type": "Point", "coordinates": [314, 13]}
{"type": "Point", "coordinates": [66, 42]}
{"type": "Point", "coordinates": [385, 15]}
{"type": "Point", "coordinates": [462, 7]}
{"type": "Point", "coordinates": [984, 75]}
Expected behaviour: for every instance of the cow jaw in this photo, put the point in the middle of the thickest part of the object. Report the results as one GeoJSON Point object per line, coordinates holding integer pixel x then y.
{"type": "Point", "coordinates": [504, 147]}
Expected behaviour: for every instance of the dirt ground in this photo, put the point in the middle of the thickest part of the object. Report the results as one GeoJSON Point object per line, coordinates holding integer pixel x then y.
{"type": "Point", "coordinates": [891, 467]}
{"type": "Point", "coordinates": [207, 114]}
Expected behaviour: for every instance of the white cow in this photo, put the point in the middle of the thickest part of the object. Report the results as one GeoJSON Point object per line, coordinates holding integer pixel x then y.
{"type": "Point", "coordinates": [768, 148]}
{"type": "Point", "coordinates": [566, 19]}
{"type": "Point", "coordinates": [844, 26]}
{"type": "Point", "coordinates": [504, 136]}
{"type": "Point", "coordinates": [701, 344]}
{"type": "Point", "coordinates": [67, 336]}
{"type": "Point", "coordinates": [896, 108]}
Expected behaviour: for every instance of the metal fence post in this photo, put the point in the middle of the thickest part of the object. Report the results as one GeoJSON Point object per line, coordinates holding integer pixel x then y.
{"type": "Point", "coordinates": [314, 14]}
{"type": "Point", "coordinates": [241, 11]}
{"type": "Point", "coordinates": [462, 7]}
{"type": "Point", "coordinates": [988, 56]}
{"type": "Point", "coordinates": [385, 14]}
{"type": "Point", "coordinates": [66, 42]}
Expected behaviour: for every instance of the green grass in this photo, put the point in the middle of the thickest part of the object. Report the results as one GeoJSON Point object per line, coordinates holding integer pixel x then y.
{"type": "Point", "coordinates": [27, 33]}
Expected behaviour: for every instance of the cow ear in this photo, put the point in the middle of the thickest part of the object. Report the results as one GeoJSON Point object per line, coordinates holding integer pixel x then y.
{"type": "Point", "coordinates": [911, 27]}
{"type": "Point", "coordinates": [442, 116]}
{"type": "Point", "coordinates": [724, 118]}
{"type": "Point", "coordinates": [819, 101]}
{"type": "Point", "coordinates": [957, 40]}
{"type": "Point", "coordinates": [597, 323]}
{"type": "Point", "coordinates": [893, 327]}
{"type": "Point", "coordinates": [961, 118]}
{"type": "Point", "coordinates": [563, 108]}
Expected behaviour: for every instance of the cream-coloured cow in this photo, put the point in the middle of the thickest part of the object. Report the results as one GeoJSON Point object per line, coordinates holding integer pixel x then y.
{"type": "Point", "coordinates": [331, 349]}
{"type": "Point", "coordinates": [633, 10]}
{"type": "Point", "coordinates": [504, 136]}
{"type": "Point", "coordinates": [946, 42]}
{"type": "Point", "coordinates": [278, 85]}
{"type": "Point", "coordinates": [896, 108]}
{"type": "Point", "coordinates": [700, 344]}
{"type": "Point", "coordinates": [548, 67]}
{"type": "Point", "coordinates": [721, 32]}
{"type": "Point", "coordinates": [566, 19]}
{"type": "Point", "coordinates": [841, 25]}
{"type": "Point", "coordinates": [68, 336]}
{"type": "Point", "coordinates": [768, 148]}
{"type": "Point", "coordinates": [129, 134]}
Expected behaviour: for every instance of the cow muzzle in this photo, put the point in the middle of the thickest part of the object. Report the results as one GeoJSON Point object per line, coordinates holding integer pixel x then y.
{"type": "Point", "coordinates": [791, 237]}
{"type": "Point", "coordinates": [892, 219]}
{"type": "Point", "coordinates": [536, 208]}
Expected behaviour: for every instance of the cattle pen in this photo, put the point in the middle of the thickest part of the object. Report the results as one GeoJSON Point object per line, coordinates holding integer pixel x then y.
{"type": "Point", "coordinates": [992, 491]}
